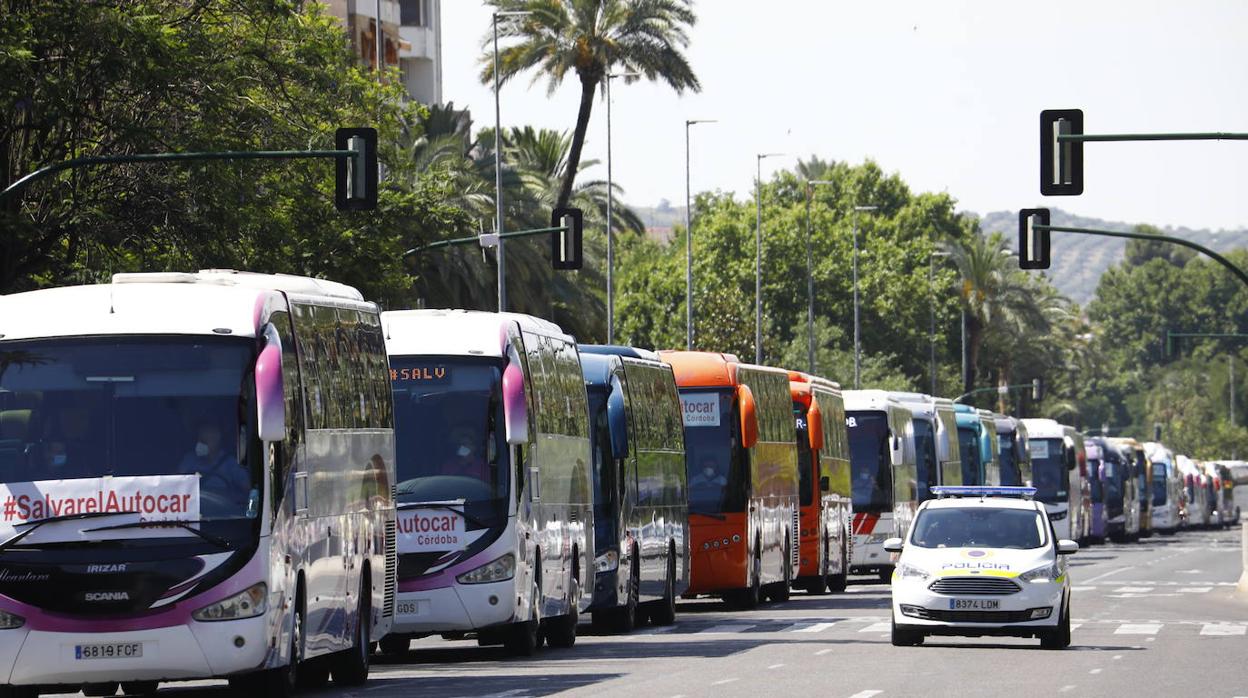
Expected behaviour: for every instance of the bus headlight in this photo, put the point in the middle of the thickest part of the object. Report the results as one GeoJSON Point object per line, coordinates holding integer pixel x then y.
{"type": "Point", "coordinates": [248, 603]}
{"type": "Point", "coordinates": [607, 562]}
{"type": "Point", "coordinates": [907, 571]}
{"type": "Point", "coordinates": [1041, 575]}
{"type": "Point", "coordinates": [499, 570]}
{"type": "Point", "coordinates": [9, 621]}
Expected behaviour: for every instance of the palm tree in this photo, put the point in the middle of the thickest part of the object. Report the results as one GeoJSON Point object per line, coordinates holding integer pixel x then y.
{"type": "Point", "coordinates": [593, 38]}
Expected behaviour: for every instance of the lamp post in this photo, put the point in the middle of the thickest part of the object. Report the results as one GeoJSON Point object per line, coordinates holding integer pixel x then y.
{"type": "Point", "coordinates": [610, 201]}
{"type": "Point", "coordinates": [758, 254]}
{"type": "Point", "coordinates": [857, 334]}
{"type": "Point", "coordinates": [931, 289]}
{"type": "Point", "coordinates": [689, 240]}
{"type": "Point", "coordinates": [810, 275]}
{"type": "Point", "coordinates": [498, 165]}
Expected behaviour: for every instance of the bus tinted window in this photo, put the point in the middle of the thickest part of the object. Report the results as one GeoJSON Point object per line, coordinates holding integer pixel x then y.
{"type": "Point", "coordinates": [925, 455]}
{"type": "Point", "coordinates": [1159, 484]}
{"type": "Point", "coordinates": [805, 478]}
{"type": "Point", "coordinates": [869, 461]}
{"type": "Point", "coordinates": [450, 444]}
{"type": "Point", "coordinates": [968, 445]}
{"type": "Point", "coordinates": [1048, 470]}
{"type": "Point", "coordinates": [718, 466]}
{"type": "Point", "coordinates": [606, 475]}
{"type": "Point", "coordinates": [1010, 475]}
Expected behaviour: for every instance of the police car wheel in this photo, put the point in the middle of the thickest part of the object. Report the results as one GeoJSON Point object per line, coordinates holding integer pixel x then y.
{"type": "Point", "coordinates": [906, 638]}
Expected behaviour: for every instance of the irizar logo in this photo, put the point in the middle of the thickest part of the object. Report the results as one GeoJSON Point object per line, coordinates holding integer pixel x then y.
{"type": "Point", "coordinates": [101, 569]}
{"type": "Point", "coordinates": [106, 596]}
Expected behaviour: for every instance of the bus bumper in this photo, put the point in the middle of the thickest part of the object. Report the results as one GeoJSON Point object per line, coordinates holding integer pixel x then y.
{"type": "Point", "coordinates": [457, 608]}
{"type": "Point", "coordinates": [193, 651]}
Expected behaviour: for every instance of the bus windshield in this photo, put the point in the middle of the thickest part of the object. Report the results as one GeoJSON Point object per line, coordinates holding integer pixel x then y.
{"type": "Point", "coordinates": [449, 442]}
{"type": "Point", "coordinates": [925, 455]}
{"type": "Point", "coordinates": [805, 476]}
{"type": "Point", "coordinates": [1159, 484]}
{"type": "Point", "coordinates": [1094, 470]}
{"type": "Point", "coordinates": [1113, 471]}
{"type": "Point", "coordinates": [1011, 476]}
{"type": "Point", "coordinates": [1048, 471]}
{"type": "Point", "coordinates": [968, 444]}
{"type": "Point", "coordinates": [870, 462]}
{"type": "Point", "coordinates": [133, 407]}
{"type": "Point", "coordinates": [606, 501]}
{"type": "Point", "coordinates": [718, 466]}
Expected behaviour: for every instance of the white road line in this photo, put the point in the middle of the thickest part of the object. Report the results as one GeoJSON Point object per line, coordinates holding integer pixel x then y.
{"type": "Point", "coordinates": [727, 628]}
{"type": "Point", "coordinates": [822, 652]}
{"type": "Point", "coordinates": [655, 630]}
{"type": "Point", "coordinates": [877, 628]}
{"type": "Point", "coordinates": [1095, 671]}
{"type": "Point", "coordinates": [1195, 590]}
{"type": "Point", "coordinates": [1138, 629]}
{"type": "Point", "coordinates": [1133, 590]}
{"type": "Point", "coordinates": [775, 666]}
{"type": "Point", "coordinates": [866, 694]}
{"type": "Point", "coordinates": [1082, 589]}
{"type": "Point", "coordinates": [1223, 629]}
{"type": "Point", "coordinates": [1117, 656]}
{"type": "Point", "coordinates": [1111, 572]}
{"type": "Point", "coordinates": [1067, 688]}
{"type": "Point", "coordinates": [1075, 626]}
{"type": "Point", "coordinates": [721, 682]}
{"type": "Point", "coordinates": [810, 627]}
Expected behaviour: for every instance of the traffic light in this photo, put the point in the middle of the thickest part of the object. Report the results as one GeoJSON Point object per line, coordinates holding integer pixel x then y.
{"type": "Point", "coordinates": [1033, 245]}
{"type": "Point", "coordinates": [565, 244]}
{"type": "Point", "coordinates": [1061, 164]}
{"type": "Point", "coordinates": [1157, 432]}
{"type": "Point", "coordinates": [355, 178]}
{"type": "Point", "coordinates": [1037, 389]}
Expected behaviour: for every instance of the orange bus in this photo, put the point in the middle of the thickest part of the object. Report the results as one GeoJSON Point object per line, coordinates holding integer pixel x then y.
{"type": "Point", "coordinates": [741, 456]}
{"type": "Point", "coordinates": [824, 493]}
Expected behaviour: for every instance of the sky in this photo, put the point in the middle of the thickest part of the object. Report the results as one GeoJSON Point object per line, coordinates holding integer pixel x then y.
{"type": "Point", "coordinates": [946, 94]}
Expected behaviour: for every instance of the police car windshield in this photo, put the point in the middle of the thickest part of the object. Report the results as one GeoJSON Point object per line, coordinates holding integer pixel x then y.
{"type": "Point", "coordinates": [979, 527]}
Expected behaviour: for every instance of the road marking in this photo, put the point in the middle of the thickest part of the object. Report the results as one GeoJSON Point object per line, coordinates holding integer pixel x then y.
{"type": "Point", "coordinates": [866, 694]}
{"type": "Point", "coordinates": [1150, 639]}
{"type": "Point", "coordinates": [1095, 671]}
{"type": "Point", "coordinates": [655, 630]}
{"type": "Point", "coordinates": [810, 627]}
{"type": "Point", "coordinates": [1117, 656]}
{"type": "Point", "coordinates": [1075, 626]}
{"type": "Point", "coordinates": [822, 652]}
{"type": "Point", "coordinates": [1111, 572]}
{"type": "Point", "coordinates": [1133, 590]}
{"type": "Point", "coordinates": [721, 682]}
{"type": "Point", "coordinates": [1189, 571]}
{"type": "Point", "coordinates": [1138, 629]}
{"type": "Point", "coordinates": [1195, 590]}
{"type": "Point", "coordinates": [877, 628]}
{"type": "Point", "coordinates": [1223, 629]}
{"type": "Point", "coordinates": [775, 666]}
{"type": "Point", "coordinates": [727, 628]}
{"type": "Point", "coordinates": [1082, 589]}
{"type": "Point", "coordinates": [1067, 688]}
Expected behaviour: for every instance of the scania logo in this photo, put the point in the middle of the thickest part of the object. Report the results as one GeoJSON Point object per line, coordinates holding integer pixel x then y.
{"type": "Point", "coordinates": [102, 569]}
{"type": "Point", "coordinates": [106, 596]}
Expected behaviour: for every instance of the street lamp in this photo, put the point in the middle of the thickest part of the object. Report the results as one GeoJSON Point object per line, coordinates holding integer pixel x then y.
{"type": "Point", "coordinates": [689, 239]}
{"type": "Point", "coordinates": [810, 275]}
{"type": "Point", "coordinates": [498, 164]}
{"type": "Point", "coordinates": [857, 342]}
{"type": "Point", "coordinates": [610, 232]}
{"type": "Point", "coordinates": [931, 288]}
{"type": "Point", "coordinates": [758, 254]}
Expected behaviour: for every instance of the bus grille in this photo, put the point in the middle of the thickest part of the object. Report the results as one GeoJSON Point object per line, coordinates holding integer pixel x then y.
{"type": "Point", "coordinates": [795, 555]}
{"type": "Point", "coordinates": [974, 586]}
{"type": "Point", "coordinates": [392, 568]}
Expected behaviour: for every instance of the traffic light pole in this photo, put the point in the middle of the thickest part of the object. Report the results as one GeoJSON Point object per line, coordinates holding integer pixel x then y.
{"type": "Point", "coordinates": [994, 389]}
{"type": "Point", "coordinates": [487, 239]}
{"type": "Point", "coordinates": [1112, 137]}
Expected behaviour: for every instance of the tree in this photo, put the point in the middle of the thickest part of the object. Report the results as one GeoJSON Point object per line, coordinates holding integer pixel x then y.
{"type": "Point", "coordinates": [593, 38]}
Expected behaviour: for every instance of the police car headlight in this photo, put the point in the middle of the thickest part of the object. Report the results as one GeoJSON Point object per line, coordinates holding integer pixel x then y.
{"type": "Point", "coordinates": [9, 621]}
{"type": "Point", "coordinates": [249, 603]}
{"type": "Point", "coordinates": [1042, 575]}
{"type": "Point", "coordinates": [908, 571]}
{"type": "Point", "coordinates": [607, 562]}
{"type": "Point", "coordinates": [499, 570]}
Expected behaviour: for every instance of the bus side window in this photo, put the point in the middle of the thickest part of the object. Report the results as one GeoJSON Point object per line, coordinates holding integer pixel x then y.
{"type": "Point", "coordinates": [284, 452]}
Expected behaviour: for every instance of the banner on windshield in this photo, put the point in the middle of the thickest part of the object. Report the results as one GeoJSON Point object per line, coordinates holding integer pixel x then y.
{"type": "Point", "coordinates": [144, 498]}
{"type": "Point", "coordinates": [434, 531]}
{"type": "Point", "coordinates": [700, 409]}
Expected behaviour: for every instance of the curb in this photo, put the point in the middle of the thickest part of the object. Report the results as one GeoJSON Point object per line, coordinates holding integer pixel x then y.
{"type": "Point", "coordinates": [1241, 589]}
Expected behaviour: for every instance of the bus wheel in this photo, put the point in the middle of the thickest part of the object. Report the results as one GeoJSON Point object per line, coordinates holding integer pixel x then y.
{"type": "Point", "coordinates": [625, 617]}
{"type": "Point", "coordinates": [561, 631]}
{"type": "Point", "coordinates": [139, 688]}
{"type": "Point", "coordinates": [663, 612]}
{"type": "Point", "coordinates": [838, 582]}
{"type": "Point", "coordinates": [750, 596]}
{"type": "Point", "coordinates": [780, 592]}
{"type": "Point", "coordinates": [886, 574]}
{"type": "Point", "coordinates": [395, 645]}
{"type": "Point", "coordinates": [351, 667]}
{"type": "Point", "coordinates": [522, 639]}
{"type": "Point", "coordinates": [282, 681]}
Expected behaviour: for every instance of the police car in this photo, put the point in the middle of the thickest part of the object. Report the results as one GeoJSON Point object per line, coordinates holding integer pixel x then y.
{"type": "Point", "coordinates": [981, 561]}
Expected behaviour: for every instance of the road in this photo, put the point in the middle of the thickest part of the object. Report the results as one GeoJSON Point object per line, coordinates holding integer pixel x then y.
{"type": "Point", "coordinates": [1155, 618]}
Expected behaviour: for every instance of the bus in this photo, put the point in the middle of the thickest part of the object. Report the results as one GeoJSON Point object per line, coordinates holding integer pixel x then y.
{"type": "Point", "coordinates": [641, 510]}
{"type": "Point", "coordinates": [1143, 477]}
{"type": "Point", "coordinates": [1080, 485]}
{"type": "Point", "coordinates": [946, 467]}
{"type": "Point", "coordinates": [824, 493]}
{"type": "Point", "coordinates": [1012, 451]}
{"type": "Point", "coordinates": [494, 497]}
{"type": "Point", "coordinates": [200, 466]}
{"type": "Point", "coordinates": [989, 447]}
{"type": "Point", "coordinates": [1098, 524]}
{"type": "Point", "coordinates": [741, 459]}
{"type": "Point", "coordinates": [1122, 501]}
{"type": "Point", "coordinates": [1226, 497]}
{"type": "Point", "coordinates": [1166, 488]}
{"type": "Point", "coordinates": [970, 445]}
{"type": "Point", "coordinates": [1196, 493]}
{"type": "Point", "coordinates": [882, 462]}
{"type": "Point", "coordinates": [926, 427]}
{"type": "Point", "coordinates": [947, 442]}
{"type": "Point", "coordinates": [1053, 464]}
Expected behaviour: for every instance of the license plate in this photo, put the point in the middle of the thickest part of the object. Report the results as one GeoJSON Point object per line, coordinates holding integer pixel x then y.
{"type": "Point", "coordinates": [406, 608]}
{"type": "Point", "coordinates": [974, 604]}
{"type": "Point", "coordinates": [109, 650]}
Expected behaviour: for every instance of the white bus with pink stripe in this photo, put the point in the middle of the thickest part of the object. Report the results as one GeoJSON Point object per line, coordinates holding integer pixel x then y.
{"type": "Point", "coordinates": [195, 482]}
{"type": "Point", "coordinates": [494, 490]}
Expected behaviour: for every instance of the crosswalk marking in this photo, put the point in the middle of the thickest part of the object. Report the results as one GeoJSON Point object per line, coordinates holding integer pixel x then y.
{"type": "Point", "coordinates": [1079, 590]}
{"type": "Point", "coordinates": [877, 628]}
{"type": "Point", "coordinates": [866, 694]}
{"type": "Point", "coordinates": [810, 627]}
{"type": "Point", "coordinates": [1133, 590]}
{"type": "Point", "coordinates": [1075, 626]}
{"type": "Point", "coordinates": [728, 628]}
{"type": "Point", "coordinates": [1223, 629]}
{"type": "Point", "coordinates": [1195, 590]}
{"type": "Point", "coordinates": [1138, 629]}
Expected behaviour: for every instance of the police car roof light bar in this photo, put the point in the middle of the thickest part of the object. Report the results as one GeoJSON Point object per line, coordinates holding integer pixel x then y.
{"type": "Point", "coordinates": [970, 491]}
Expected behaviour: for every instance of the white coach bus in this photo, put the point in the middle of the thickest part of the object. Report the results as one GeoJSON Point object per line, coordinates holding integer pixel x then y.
{"type": "Point", "coordinates": [494, 481]}
{"type": "Point", "coordinates": [196, 471]}
{"type": "Point", "coordinates": [882, 456]}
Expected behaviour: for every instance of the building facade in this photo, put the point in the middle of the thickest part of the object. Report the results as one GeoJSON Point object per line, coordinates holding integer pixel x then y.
{"type": "Point", "coordinates": [411, 40]}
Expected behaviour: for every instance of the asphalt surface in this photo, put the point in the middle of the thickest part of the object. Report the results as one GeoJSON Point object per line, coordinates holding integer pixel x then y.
{"type": "Point", "coordinates": [1155, 618]}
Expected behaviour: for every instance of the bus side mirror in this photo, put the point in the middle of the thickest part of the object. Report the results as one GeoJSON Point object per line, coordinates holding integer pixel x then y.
{"type": "Point", "coordinates": [749, 416]}
{"type": "Point", "coordinates": [270, 402]}
{"type": "Point", "coordinates": [814, 425]}
{"type": "Point", "coordinates": [617, 421]}
{"type": "Point", "coordinates": [896, 452]}
{"type": "Point", "coordinates": [515, 409]}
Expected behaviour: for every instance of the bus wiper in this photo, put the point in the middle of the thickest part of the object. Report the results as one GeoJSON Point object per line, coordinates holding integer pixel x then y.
{"type": "Point", "coordinates": [449, 506]}
{"type": "Point", "coordinates": [184, 524]}
{"type": "Point", "coordinates": [711, 514]}
{"type": "Point", "coordinates": [37, 524]}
